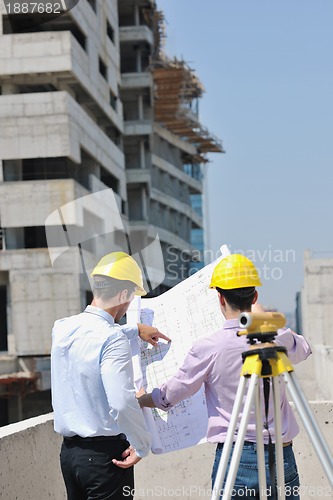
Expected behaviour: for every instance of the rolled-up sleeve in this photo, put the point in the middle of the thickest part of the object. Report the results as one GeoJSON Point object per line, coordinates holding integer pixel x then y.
{"type": "Point", "coordinates": [296, 345]}
{"type": "Point", "coordinates": [185, 383]}
{"type": "Point", "coordinates": [117, 377]}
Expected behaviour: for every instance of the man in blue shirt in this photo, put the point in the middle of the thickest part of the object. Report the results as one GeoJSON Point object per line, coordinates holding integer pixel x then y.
{"type": "Point", "coordinates": [93, 395]}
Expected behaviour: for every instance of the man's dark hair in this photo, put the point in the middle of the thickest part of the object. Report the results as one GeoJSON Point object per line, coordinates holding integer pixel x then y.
{"type": "Point", "coordinates": [239, 299]}
{"type": "Point", "coordinates": [106, 288]}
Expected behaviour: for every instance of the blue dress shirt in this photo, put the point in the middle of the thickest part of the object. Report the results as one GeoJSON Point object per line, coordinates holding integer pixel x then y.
{"type": "Point", "coordinates": [92, 379]}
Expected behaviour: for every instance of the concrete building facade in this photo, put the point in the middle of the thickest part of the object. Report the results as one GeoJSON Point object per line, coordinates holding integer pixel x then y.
{"type": "Point", "coordinates": [315, 321]}
{"type": "Point", "coordinates": [88, 103]}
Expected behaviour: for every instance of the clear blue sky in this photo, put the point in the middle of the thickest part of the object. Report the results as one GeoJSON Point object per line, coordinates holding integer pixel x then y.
{"type": "Point", "coordinates": [267, 68]}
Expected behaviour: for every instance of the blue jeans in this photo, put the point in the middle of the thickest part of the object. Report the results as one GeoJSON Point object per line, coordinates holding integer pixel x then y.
{"type": "Point", "coordinates": [247, 483]}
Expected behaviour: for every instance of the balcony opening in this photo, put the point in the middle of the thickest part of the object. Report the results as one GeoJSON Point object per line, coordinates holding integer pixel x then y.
{"type": "Point", "coordinates": [131, 14]}
{"type": "Point", "coordinates": [135, 204]}
{"type": "Point", "coordinates": [34, 169]}
{"type": "Point", "coordinates": [35, 237]}
{"type": "Point", "coordinates": [134, 58]}
{"type": "Point", "coordinates": [113, 100]}
{"type": "Point", "coordinates": [109, 31]}
{"type": "Point", "coordinates": [109, 180]}
{"type": "Point", "coordinates": [45, 168]}
{"type": "Point", "coordinates": [34, 23]}
{"type": "Point", "coordinates": [103, 68]}
{"type": "Point", "coordinates": [132, 154]}
{"type": "Point", "coordinates": [113, 134]}
{"type": "Point", "coordinates": [31, 89]}
{"type": "Point", "coordinates": [3, 319]}
{"type": "Point", "coordinates": [125, 14]}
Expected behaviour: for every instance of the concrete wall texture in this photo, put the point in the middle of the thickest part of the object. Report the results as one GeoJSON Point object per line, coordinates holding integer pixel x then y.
{"type": "Point", "coordinates": [317, 326]}
{"type": "Point", "coordinates": [29, 457]}
{"type": "Point", "coordinates": [29, 461]}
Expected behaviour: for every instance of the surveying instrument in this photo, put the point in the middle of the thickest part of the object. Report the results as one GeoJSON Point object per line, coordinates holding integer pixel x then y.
{"type": "Point", "coordinates": [265, 360]}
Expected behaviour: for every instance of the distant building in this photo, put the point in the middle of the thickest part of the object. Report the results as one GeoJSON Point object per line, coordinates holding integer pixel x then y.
{"type": "Point", "coordinates": [315, 320]}
{"type": "Point", "coordinates": [88, 102]}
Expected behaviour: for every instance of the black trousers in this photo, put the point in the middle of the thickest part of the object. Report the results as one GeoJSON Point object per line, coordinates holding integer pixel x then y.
{"type": "Point", "coordinates": [89, 473]}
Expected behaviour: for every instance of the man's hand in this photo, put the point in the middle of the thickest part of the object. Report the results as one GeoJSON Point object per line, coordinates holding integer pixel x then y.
{"type": "Point", "coordinates": [130, 458]}
{"type": "Point", "coordinates": [151, 334]}
{"type": "Point", "coordinates": [140, 392]}
{"type": "Point", "coordinates": [146, 401]}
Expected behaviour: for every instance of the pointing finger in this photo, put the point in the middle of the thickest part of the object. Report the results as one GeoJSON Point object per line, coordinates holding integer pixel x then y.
{"type": "Point", "coordinates": [162, 336]}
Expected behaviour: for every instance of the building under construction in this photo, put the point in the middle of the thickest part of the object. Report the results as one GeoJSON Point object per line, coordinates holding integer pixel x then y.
{"type": "Point", "coordinates": [88, 102]}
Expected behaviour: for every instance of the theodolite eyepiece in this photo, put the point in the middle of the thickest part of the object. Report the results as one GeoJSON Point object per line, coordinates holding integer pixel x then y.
{"type": "Point", "coordinates": [261, 323]}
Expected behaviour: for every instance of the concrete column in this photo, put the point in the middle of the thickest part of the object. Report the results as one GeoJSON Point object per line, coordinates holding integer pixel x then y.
{"type": "Point", "coordinates": [138, 61]}
{"type": "Point", "coordinates": [140, 107]}
{"type": "Point", "coordinates": [144, 204]}
{"type": "Point", "coordinates": [142, 154]}
{"type": "Point", "coordinates": [136, 15]}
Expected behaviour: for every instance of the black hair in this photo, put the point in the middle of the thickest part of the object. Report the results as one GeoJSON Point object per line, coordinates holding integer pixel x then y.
{"type": "Point", "coordinates": [239, 299]}
{"type": "Point", "coordinates": [106, 288]}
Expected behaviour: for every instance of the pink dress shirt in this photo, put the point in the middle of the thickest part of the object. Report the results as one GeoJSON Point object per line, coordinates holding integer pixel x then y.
{"type": "Point", "coordinates": [216, 362]}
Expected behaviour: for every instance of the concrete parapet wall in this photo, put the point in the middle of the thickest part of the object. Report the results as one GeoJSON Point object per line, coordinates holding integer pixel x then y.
{"type": "Point", "coordinates": [29, 457]}
{"type": "Point", "coordinates": [323, 363]}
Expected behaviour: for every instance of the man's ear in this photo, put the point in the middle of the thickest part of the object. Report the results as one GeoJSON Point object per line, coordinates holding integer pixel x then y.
{"type": "Point", "coordinates": [255, 298]}
{"type": "Point", "coordinates": [221, 299]}
{"type": "Point", "coordinates": [123, 296]}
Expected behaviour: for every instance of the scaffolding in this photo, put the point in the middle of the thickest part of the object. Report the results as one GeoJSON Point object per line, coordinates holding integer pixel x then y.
{"type": "Point", "coordinates": [176, 93]}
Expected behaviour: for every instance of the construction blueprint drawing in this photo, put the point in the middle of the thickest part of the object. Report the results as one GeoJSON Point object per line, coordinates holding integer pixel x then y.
{"type": "Point", "coordinates": [186, 313]}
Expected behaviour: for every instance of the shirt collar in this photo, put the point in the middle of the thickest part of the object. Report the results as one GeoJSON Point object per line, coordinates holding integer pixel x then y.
{"type": "Point", "coordinates": [100, 312]}
{"type": "Point", "coordinates": [231, 323]}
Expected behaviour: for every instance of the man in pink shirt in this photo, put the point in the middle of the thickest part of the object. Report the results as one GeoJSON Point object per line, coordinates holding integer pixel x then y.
{"type": "Point", "coordinates": [216, 362]}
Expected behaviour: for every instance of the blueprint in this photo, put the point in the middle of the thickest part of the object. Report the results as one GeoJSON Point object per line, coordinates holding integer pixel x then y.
{"type": "Point", "coordinates": [186, 313]}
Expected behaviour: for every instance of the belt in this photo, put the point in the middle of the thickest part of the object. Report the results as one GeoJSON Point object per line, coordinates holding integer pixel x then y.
{"type": "Point", "coordinates": [95, 438]}
{"type": "Point", "coordinates": [288, 443]}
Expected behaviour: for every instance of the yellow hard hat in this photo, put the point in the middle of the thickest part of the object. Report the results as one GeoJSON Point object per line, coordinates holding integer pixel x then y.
{"type": "Point", "coordinates": [235, 271]}
{"type": "Point", "coordinates": [121, 266]}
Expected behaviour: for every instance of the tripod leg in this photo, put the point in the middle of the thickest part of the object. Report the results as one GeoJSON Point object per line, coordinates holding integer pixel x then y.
{"type": "Point", "coordinates": [260, 448]}
{"type": "Point", "coordinates": [230, 481]}
{"type": "Point", "coordinates": [278, 440]}
{"type": "Point", "coordinates": [229, 439]}
{"type": "Point", "coordinates": [310, 424]}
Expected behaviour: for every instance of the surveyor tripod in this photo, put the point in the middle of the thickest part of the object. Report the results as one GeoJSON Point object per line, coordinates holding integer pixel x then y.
{"type": "Point", "coordinates": [265, 360]}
